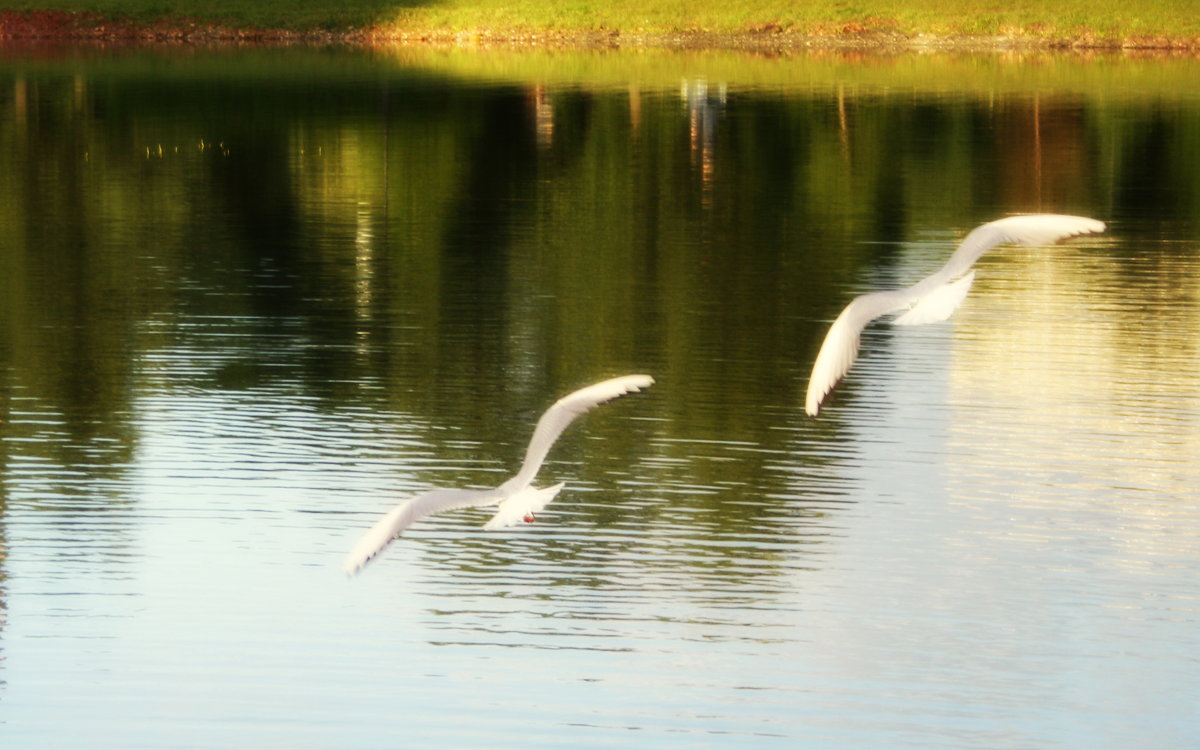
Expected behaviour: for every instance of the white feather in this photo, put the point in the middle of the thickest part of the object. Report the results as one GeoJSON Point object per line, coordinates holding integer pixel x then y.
{"type": "Point", "coordinates": [516, 498]}
{"type": "Point", "coordinates": [403, 515]}
{"type": "Point", "coordinates": [935, 297]}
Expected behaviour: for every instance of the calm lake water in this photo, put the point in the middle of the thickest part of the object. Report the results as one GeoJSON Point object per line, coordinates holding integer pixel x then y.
{"type": "Point", "coordinates": [249, 300]}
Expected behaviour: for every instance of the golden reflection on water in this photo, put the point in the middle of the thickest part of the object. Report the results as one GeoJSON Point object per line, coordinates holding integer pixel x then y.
{"type": "Point", "coordinates": [1074, 388]}
{"type": "Point", "coordinates": [1107, 74]}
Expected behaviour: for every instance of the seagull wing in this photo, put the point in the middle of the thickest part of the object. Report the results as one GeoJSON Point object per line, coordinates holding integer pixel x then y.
{"type": "Point", "coordinates": [562, 413]}
{"type": "Point", "coordinates": [840, 347]}
{"type": "Point", "coordinates": [1027, 229]}
{"type": "Point", "coordinates": [403, 516]}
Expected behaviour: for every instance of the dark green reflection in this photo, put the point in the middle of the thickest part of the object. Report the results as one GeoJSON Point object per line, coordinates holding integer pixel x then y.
{"type": "Point", "coordinates": [471, 246]}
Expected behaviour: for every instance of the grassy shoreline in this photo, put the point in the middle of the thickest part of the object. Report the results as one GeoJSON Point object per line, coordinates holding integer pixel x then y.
{"type": "Point", "coordinates": [762, 24]}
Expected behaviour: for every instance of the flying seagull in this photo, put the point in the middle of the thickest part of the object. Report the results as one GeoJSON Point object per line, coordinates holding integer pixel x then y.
{"type": "Point", "coordinates": [517, 498]}
{"type": "Point", "coordinates": [935, 297]}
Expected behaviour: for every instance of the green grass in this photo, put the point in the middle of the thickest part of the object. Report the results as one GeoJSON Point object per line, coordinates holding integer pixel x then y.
{"type": "Point", "coordinates": [291, 15]}
{"type": "Point", "coordinates": [1045, 19]}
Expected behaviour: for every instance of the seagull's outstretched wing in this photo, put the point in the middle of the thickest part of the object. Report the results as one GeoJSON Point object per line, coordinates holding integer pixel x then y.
{"type": "Point", "coordinates": [562, 413]}
{"type": "Point", "coordinates": [404, 514]}
{"type": "Point", "coordinates": [840, 347]}
{"type": "Point", "coordinates": [935, 297]}
{"type": "Point", "coordinates": [1024, 229]}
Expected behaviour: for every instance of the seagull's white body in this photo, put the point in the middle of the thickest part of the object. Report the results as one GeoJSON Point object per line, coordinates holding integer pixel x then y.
{"type": "Point", "coordinates": [517, 498]}
{"type": "Point", "coordinates": [935, 297]}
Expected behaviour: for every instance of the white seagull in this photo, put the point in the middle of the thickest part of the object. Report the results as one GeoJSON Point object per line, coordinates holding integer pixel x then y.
{"type": "Point", "coordinates": [517, 498]}
{"type": "Point", "coordinates": [935, 297]}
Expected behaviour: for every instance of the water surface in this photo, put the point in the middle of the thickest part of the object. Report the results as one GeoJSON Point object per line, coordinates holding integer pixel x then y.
{"type": "Point", "coordinates": [249, 300]}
